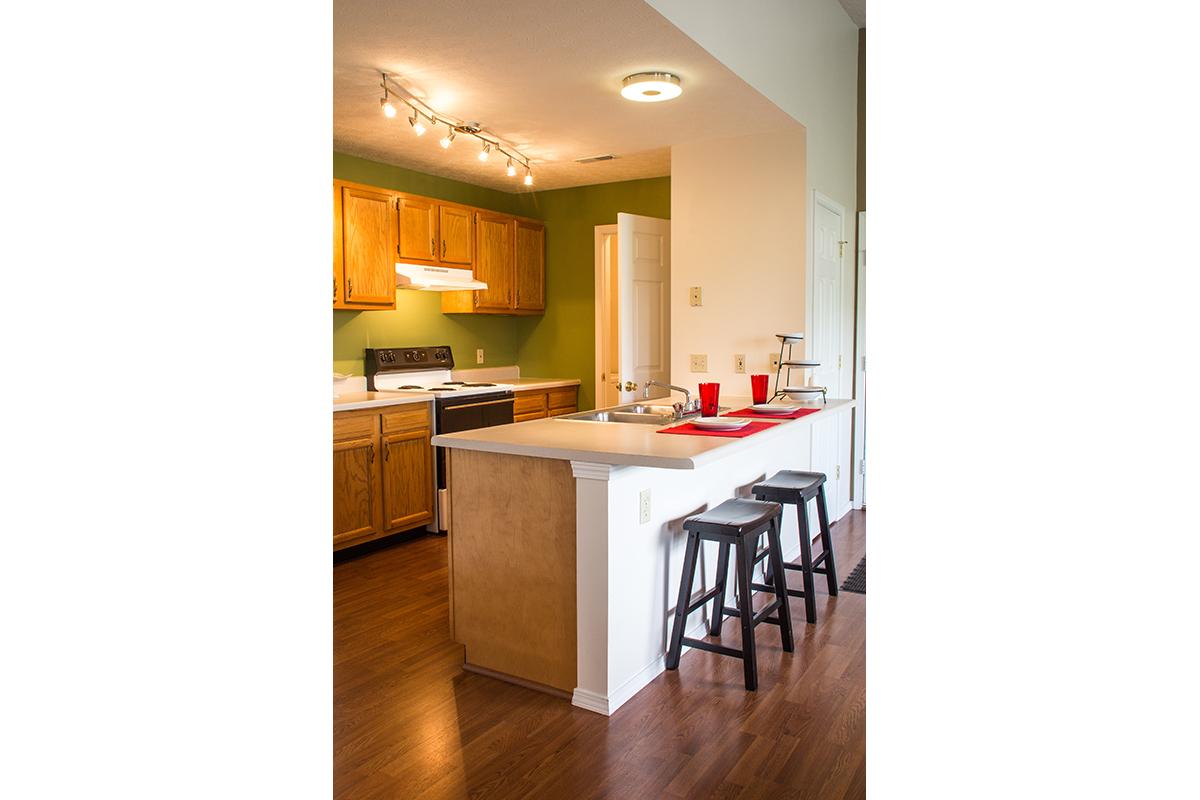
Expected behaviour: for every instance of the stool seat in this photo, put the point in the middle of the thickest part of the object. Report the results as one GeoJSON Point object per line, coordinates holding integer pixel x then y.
{"type": "Point", "coordinates": [790, 486]}
{"type": "Point", "coordinates": [736, 515]}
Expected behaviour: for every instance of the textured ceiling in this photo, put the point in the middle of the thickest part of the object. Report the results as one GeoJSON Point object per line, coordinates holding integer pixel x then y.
{"type": "Point", "coordinates": [857, 9]}
{"type": "Point", "coordinates": [544, 76]}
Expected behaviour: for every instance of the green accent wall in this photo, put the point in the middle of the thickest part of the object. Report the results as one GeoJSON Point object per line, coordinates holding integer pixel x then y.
{"type": "Point", "coordinates": [558, 344]}
{"type": "Point", "coordinates": [562, 342]}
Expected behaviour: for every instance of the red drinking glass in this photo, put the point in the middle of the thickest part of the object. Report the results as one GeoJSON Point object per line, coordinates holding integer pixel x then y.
{"type": "Point", "coordinates": [758, 388]}
{"type": "Point", "coordinates": [709, 392]}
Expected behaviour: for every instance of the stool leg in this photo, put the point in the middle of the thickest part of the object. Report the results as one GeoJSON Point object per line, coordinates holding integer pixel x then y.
{"type": "Point", "coordinates": [806, 568]}
{"type": "Point", "coordinates": [685, 595]}
{"type": "Point", "coordinates": [767, 577]}
{"type": "Point", "coordinates": [745, 565]}
{"type": "Point", "coordinates": [827, 539]}
{"type": "Point", "coordinates": [780, 584]}
{"type": "Point", "coordinates": [718, 609]}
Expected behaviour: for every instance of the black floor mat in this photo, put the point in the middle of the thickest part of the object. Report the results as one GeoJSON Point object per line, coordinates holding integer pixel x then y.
{"type": "Point", "coordinates": [857, 580]}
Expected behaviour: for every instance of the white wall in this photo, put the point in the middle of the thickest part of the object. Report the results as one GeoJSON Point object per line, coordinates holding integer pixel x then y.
{"type": "Point", "coordinates": [803, 56]}
{"type": "Point", "coordinates": [738, 207]}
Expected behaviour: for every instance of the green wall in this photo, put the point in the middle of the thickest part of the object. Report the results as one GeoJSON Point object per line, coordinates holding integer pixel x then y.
{"type": "Point", "coordinates": [562, 342]}
{"type": "Point", "coordinates": [559, 344]}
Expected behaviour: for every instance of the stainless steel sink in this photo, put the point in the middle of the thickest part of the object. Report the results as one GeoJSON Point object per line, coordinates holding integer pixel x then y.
{"type": "Point", "coordinates": [636, 412]}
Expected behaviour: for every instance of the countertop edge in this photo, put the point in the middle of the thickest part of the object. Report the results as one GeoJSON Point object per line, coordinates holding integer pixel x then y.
{"type": "Point", "coordinates": [382, 402]}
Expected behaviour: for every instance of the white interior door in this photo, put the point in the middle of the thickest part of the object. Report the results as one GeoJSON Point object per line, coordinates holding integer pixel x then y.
{"type": "Point", "coordinates": [825, 331]}
{"type": "Point", "coordinates": [644, 303]}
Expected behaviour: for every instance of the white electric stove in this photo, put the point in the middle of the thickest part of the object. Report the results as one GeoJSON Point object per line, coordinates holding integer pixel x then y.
{"type": "Point", "coordinates": [457, 405]}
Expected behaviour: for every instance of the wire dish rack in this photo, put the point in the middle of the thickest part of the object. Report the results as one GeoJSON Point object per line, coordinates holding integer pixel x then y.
{"type": "Point", "coordinates": [788, 362]}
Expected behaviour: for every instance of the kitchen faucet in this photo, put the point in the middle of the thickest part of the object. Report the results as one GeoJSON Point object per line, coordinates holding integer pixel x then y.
{"type": "Point", "coordinates": [687, 407]}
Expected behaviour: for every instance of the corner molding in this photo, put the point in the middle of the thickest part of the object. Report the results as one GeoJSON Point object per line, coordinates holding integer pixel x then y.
{"type": "Point", "coordinates": [590, 470]}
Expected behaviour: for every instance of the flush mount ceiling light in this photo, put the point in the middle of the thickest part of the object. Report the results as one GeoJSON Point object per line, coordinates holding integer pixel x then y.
{"type": "Point", "coordinates": [651, 87]}
{"type": "Point", "coordinates": [421, 110]}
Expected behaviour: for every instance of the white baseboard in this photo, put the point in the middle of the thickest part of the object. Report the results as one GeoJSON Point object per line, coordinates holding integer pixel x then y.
{"type": "Point", "coordinates": [592, 701]}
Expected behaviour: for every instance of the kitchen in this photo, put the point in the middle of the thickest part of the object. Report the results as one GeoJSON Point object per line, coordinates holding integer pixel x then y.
{"type": "Point", "coordinates": [492, 288]}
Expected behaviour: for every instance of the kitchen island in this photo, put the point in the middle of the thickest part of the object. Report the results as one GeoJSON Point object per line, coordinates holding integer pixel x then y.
{"type": "Point", "coordinates": [566, 539]}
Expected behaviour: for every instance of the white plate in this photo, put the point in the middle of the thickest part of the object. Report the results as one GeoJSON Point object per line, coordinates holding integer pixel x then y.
{"type": "Point", "coordinates": [766, 408]}
{"type": "Point", "coordinates": [803, 389]}
{"type": "Point", "coordinates": [720, 423]}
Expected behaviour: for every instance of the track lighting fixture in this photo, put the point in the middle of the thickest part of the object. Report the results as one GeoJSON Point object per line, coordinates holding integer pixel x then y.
{"type": "Point", "coordinates": [425, 118]}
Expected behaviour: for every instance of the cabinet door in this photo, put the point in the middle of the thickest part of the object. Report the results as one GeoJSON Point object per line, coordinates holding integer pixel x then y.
{"type": "Point", "coordinates": [407, 480]}
{"type": "Point", "coordinates": [355, 489]}
{"type": "Point", "coordinates": [494, 260]}
{"type": "Point", "coordinates": [458, 243]}
{"type": "Point", "coordinates": [368, 245]}
{"type": "Point", "coordinates": [417, 222]}
{"type": "Point", "coordinates": [530, 266]}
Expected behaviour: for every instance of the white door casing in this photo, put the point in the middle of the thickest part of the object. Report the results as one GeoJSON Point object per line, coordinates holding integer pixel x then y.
{"type": "Point", "coordinates": [644, 302]}
{"type": "Point", "coordinates": [607, 355]}
{"type": "Point", "coordinates": [860, 365]}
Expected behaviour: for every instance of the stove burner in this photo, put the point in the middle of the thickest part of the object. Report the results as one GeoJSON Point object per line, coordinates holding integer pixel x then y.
{"type": "Point", "coordinates": [442, 389]}
{"type": "Point", "coordinates": [410, 386]}
{"type": "Point", "coordinates": [479, 384]}
{"type": "Point", "coordinates": [454, 383]}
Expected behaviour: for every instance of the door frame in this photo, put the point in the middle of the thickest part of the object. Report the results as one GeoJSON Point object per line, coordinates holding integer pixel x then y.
{"type": "Point", "coordinates": [601, 307]}
{"type": "Point", "coordinates": [858, 470]}
{"type": "Point", "coordinates": [847, 277]}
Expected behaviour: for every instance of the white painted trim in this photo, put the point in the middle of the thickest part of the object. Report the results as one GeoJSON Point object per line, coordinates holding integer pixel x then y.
{"type": "Point", "coordinates": [598, 271]}
{"type": "Point", "coordinates": [590, 701]}
{"type": "Point", "coordinates": [858, 499]}
{"type": "Point", "coordinates": [594, 471]}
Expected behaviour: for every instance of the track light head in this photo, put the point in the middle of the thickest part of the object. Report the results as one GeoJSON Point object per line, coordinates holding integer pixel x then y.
{"type": "Point", "coordinates": [528, 177]}
{"type": "Point", "coordinates": [417, 126]}
{"type": "Point", "coordinates": [483, 153]}
{"type": "Point", "coordinates": [389, 110]}
{"type": "Point", "coordinates": [511, 170]}
{"type": "Point", "coordinates": [448, 138]}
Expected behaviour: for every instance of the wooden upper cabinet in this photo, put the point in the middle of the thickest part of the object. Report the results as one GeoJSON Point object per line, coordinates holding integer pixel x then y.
{"type": "Point", "coordinates": [417, 223]}
{"type": "Point", "coordinates": [368, 244]}
{"type": "Point", "coordinates": [494, 260]}
{"type": "Point", "coordinates": [530, 266]}
{"type": "Point", "coordinates": [458, 240]}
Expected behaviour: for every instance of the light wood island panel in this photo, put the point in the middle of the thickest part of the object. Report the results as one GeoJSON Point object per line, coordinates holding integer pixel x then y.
{"type": "Point", "coordinates": [512, 526]}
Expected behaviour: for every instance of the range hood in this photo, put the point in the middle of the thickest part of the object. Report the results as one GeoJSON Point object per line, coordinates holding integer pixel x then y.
{"type": "Point", "coordinates": [435, 279]}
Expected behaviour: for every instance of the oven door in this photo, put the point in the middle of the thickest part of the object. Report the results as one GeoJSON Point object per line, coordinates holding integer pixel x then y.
{"type": "Point", "coordinates": [476, 412]}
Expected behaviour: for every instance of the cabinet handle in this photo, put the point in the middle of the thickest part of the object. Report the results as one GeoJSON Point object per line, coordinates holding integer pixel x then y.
{"type": "Point", "coordinates": [372, 452]}
{"type": "Point", "coordinates": [443, 248]}
{"type": "Point", "coordinates": [350, 288]}
{"type": "Point", "coordinates": [386, 454]}
{"type": "Point", "coordinates": [432, 248]}
{"type": "Point", "coordinates": [335, 287]}
{"type": "Point", "coordinates": [518, 297]}
{"type": "Point", "coordinates": [477, 299]}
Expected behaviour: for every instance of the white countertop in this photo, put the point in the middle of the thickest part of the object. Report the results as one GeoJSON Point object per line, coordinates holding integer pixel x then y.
{"type": "Point", "coordinates": [349, 401]}
{"type": "Point", "coordinates": [533, 384]}
{"type": "Point", "coordinates": [624, 443]}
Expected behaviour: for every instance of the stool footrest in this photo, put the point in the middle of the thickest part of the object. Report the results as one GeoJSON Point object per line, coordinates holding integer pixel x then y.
{"type": "Point", "coordinates": [760, 615]}
{"type": "Point", "coordinates": [702, 599]}
{"type": "Point", "coordinates": [713, 648]}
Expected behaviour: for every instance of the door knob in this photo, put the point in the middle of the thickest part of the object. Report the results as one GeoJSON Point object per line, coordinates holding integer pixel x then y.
{"type": "Point", "coordinates": [630, 386]}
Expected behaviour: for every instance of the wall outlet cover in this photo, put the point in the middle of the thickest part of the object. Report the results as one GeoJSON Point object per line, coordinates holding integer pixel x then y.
{"type": "Point", "coordinates": [739, 362]}
{"type": "Point", "coordinates": [774, 362]}
{"type": "Point", "coordinates": [644, 506]}
{"type": "Point", "coordinates": [694, 296]}
{"type": "Point", "coordinates": [479, 356]}
{"type": "Point", "coordinates": [699, 362]}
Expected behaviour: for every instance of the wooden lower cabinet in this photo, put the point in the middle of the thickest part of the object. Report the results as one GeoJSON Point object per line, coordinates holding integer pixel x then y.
{"type": "Point", "coordinates": [543, 403]}
{"type": "Point", "coordinates": [382, 472]}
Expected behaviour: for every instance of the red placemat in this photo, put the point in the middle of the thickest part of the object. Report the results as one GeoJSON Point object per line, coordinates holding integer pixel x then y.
{"type": "Point", "coordinates": [689, 428]}
{"type": "Point", "coordinates": [750, 412]}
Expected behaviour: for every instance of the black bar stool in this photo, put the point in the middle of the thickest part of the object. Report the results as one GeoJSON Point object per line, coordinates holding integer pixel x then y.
{"type": "Point", "coordinates": [738, 523]}
{"type": "Point", "coordinates": [789, 486]}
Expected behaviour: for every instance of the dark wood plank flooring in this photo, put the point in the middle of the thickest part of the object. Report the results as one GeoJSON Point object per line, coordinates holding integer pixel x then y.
{"type": "Point", "coordinates": [410, 723]}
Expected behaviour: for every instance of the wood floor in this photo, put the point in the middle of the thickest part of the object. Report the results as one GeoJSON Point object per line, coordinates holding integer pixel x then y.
{"type": "Point", "coordinates": [410, 723]}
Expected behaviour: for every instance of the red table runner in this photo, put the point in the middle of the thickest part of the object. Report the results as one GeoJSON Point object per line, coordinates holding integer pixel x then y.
{"type": "Point", "coordinates": [690, 429]}
{"type": "Point", "coordinates": [749, 412]}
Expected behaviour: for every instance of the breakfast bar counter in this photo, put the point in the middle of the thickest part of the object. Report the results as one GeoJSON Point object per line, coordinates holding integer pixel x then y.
{"type": "Point", "coordinates": [565, 538]}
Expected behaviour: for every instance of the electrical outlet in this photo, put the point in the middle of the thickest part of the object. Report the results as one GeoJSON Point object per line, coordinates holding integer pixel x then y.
{"type": "Point", "coordinates": [774, 362]}
{"type": "Point", "coordinates": [699, 362]}
{"type": "Point", "coordinates": [695, 297]}
{"type": "Point", "coordinates": [644, 505]}
{"type": "Point", "coordinates": [479, 356]}
{"type": "Point", "coordinates": [739, 362]}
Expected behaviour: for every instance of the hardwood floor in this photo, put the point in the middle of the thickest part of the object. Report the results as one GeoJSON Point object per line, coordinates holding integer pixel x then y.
{"type": "Point", "coordinates": [410, 723]}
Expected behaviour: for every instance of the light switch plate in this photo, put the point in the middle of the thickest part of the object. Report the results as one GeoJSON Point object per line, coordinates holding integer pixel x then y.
{"type": "Point", "coordinates": [739, 362]}
{"type": "Point", "coordinates": [694, 296]}
{"type": "Point", "coordinates": [644, 506]}
{"type": "Point", "coordinates": [699, 362]}
{"type": "Point", "coordinates": [479, 356]}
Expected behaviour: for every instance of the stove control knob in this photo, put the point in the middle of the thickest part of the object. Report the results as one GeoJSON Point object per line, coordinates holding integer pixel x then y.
{"type": "Point", "coordinates": [408, 356]}
{"type": "Point", "coordinates": [420, 355]}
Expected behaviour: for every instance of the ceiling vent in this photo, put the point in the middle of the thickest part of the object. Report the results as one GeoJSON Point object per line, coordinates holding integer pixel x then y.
{"type": "Point", "coordinates": [591, 159]}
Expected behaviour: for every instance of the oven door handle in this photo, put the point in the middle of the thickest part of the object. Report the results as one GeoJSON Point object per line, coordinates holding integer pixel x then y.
{"type": "Point", "coordinates": [476, 405]}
